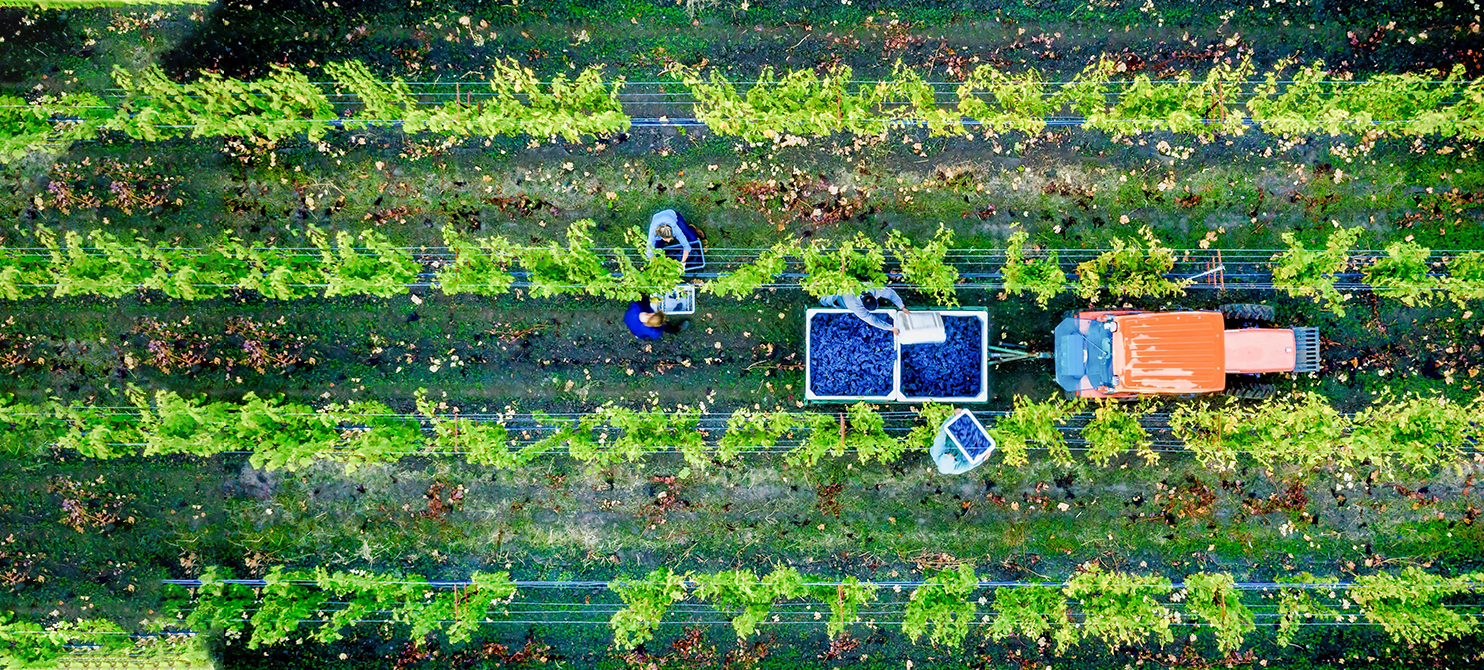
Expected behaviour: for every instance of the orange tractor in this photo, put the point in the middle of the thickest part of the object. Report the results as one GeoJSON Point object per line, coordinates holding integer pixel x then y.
{"type": "Point", "coordinates": [1132, 354]}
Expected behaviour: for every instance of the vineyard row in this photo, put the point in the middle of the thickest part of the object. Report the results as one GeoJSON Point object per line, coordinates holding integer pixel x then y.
{"type": "Point", "coordinates": [1416, 435]}
{"type": "Point", "coordinates": [1111, 608]}
{"type": "Point", "coordinates": [103, 264]}
{"type": "Point", "coordinates": [1230, 98]}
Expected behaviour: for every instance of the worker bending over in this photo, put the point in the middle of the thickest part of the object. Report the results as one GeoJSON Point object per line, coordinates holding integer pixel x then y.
{"type": "Point", "coordinates": [862, 305]}
{"type": "Point", "coordinates": [673, 236]}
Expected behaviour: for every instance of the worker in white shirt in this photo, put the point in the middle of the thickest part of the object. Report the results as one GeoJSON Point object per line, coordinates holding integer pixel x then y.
{"type": "Point", "coordinates": [862, 305]}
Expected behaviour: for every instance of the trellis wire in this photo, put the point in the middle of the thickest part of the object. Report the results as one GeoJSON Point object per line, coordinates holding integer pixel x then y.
{"type": "Point", "coordinates": [1189, 262]}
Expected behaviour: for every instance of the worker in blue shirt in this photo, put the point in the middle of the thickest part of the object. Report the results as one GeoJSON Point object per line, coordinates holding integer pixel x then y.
{"type": "Point", "coordinates": [862, 305]}
{"type": "Point", "coordinates": [647, 324]}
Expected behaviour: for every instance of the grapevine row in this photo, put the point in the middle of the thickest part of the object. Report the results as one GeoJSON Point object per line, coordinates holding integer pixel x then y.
{"type": "Point", "coordinates": [96, 643]}
{"type": "Point", "coordinates": [1288, 99]}
{"type": "Point", "coordinates": [103, 264]}
{"type": "Point", "coordinates": [1301, 433]}
{"type": "Point", "coordinates": [1108, 608]}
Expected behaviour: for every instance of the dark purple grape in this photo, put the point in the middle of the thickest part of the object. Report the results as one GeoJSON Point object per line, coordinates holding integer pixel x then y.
{"type": "Point", "coordinates": [946, 370]}
{"type": "Point", "coordinates": [848, 357]}
{"type": "Point", "coordinates": [974, 441]}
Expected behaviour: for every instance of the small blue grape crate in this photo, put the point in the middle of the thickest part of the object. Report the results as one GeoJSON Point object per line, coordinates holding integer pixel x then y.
{"type": "Point", "coordinates": [970, 436]}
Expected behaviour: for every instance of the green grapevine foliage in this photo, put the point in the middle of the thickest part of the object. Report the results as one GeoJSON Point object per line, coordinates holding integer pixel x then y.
{"type": "Point", "coordinates": [1002, 101]}
{"type": "Point", "coordinates": [23, 127]}
{"type": "Point", "coordinates": [799, 103]}
{"type": "Point", "coordinates": [281, 105]}
{"type": "Point", "coordinates": [1131, 270]}
{"type": "Point", "coordinates": [1419, 433]}
{"type": "Point", "coordinates": [921, 104]}
{"type": "Point", "coordinates": [1297, 605]}
{"type": "Point", "coordinates": [177, 425]}
{"type": "Point", "coordinates": [372, 433]}
{"type": "Point", "coordinates": [480, 442]}
{"type": "Point", "coordinates": [774, 106]}
{"type": "Point", "coordinates": [1185, 105]}
{"type": "Point", "coordinates": [1310, 272]}
{"type": "Point", "coordinates": [930, 416]}
{"type": "Point", "coordinates": [191, 274]}
{"type": "Point", "coordinates": [924, 267]}
{"type": "Point", "coordinates": [289, 436]}
{"type": "Point", "coordinates": [338, 265]}
{"type": "Point", "coordinates": [1033, 421]}
{"type": "Point", "coordinates": [1087, 94]}
{"type": "Point", "coordinates": [748, 278]}
{"type": "Point", "coordinates": [1406, 104]}
{"type": "Point", "coordinates": [575, 268]}
{"type": "Point", "coordinates": [941, 608]}
{"type": "Point", "coordinates": [520, 104]}
{"type": "Point", "coordinates": [866, 437]}
{"type": "Point", "coordinates": [1410, 606]}
{"type": "Point", "coordinates": [1033, 612]}
{"type": "Point", "coordinates": [383, 102]}
{"type": "Point", "coordinates": [647, 600]}
{"type": "Point", "coordinates": [1465, 280]}
{"type": "Point", "coordinates": [1298, 434]}
{"type": "Point", "coordinates": [1120, 608]}
{"type": "Point", "coordinates": [377, 268]}
{"type": "Point", "coordinates": [280, 274]}
{"type": "Point", "coordinates": [747, 428]}
{"type": "Point", "coordinates": [290, 599]}
{"type": "Point", "coordinates": [367, 263]}
{"type": "Point", "coordinates": [481, 267]}
{"type": "Point", "coordinates": [22, 272]}
{"type": "Point", "coordinates": [108, 267]}
{"type": "Point", "coordinates": [285, 602]}
{"type": "Point", "coordinates": [1403, 274]}
{"type": "Point", "coordinates": [26, 127]}
{"type": "Point", "coordinates": [1113, 431]}
{"type": "Point", "coordinates": [845, 600]}
{"type": "Point", "coordinates": [290, 606]}
{"type": "Point", "coordinates": [850, 269]}
{"type": "Point", "coordinates": [220, 605]}
{"type": "Point", "coordinates": [1213, 597]}
{"type": "Point", "coordinates": [1304, 431]}
{"type": "Point", "coordinates": [486, 591]}
{"type": "Point", "coordinates": [747, 599]}
{"type": "Point", "coordinates": [1042, 277]}
{"type": "Point", "coordinates": [657, 273]}
{"type": "Point", "coordinates": [826, 437]}
{"type": "Point", "coordinates": [26, 645]}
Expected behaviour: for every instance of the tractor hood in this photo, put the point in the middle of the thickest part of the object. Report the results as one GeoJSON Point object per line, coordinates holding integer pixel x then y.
{"type": "Point", "coordinates": [1172, 352]}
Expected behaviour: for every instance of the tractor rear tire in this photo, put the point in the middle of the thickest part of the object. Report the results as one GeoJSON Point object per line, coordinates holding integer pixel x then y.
{"type": "Point", "coordinates": [1248, 315]}
{"type": "Point", "coordinates": [1248, 390]}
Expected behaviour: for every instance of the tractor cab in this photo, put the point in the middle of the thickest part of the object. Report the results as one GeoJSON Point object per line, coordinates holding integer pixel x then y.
{"type": "Point", "coordinates": [1084, 355]}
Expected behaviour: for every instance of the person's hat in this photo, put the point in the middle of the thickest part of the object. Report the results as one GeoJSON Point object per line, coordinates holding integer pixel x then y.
{"type": "Point", "coordinates": [870, 302]}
